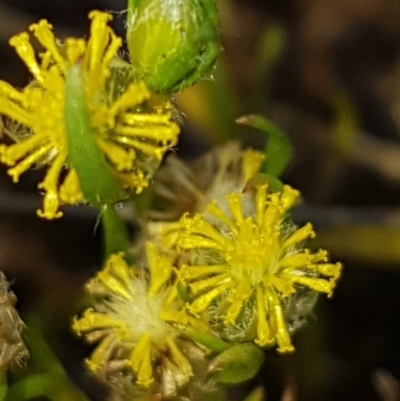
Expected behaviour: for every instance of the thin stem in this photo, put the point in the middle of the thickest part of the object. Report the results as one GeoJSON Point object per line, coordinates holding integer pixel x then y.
{"type": "Point", "coordinates": [115, 233]}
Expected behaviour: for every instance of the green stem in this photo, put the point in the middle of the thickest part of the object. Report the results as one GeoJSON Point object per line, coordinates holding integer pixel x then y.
{"type": "Point", "coordinates": [50, 386]}
{"type": "Point", "coordinates": [53, 383]}
{"type": "Point", "coordinates": [3, 385]}
{"type": "Point", "coordinates": [115, 233]}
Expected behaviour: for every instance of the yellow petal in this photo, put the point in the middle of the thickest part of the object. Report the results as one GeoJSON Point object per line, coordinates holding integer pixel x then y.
{"type": "Point", "coordinates": [70, 190]}
{"type": "Point", "coordinates": [189, 273]}
{"type": "Point", "coordinates": [99, 37]}
{"type": "Point", "coordinates": [288, 197]}
{"type": "Point", "coordinates": [235, 206]}
{"type": "Point", "coordinates": [121, 158]}
{"type": "Point", "coordinates": [43, 32]}
{"type": "Point", "coordinates": [211, 282]}
{"type": "Point", "coordinates": [298, 236]}
{"type": "Point", "coordinates": [316, 284]}
{"type": "Point", "coordinates": [115, 276]}
{"type": "Point", "coordinates": [237, 297]}
{"type": "Point", "coordinates": [92, 320]}
{"type": "Point", "coordinates": [281, 333]}
{"type": "Point", "coordinates": [264, 334]}
{"type": "Point", "coordinates": [284, 285]}
{"type": "Point", "coordinates": [201, 303]}
{"type": "Point", "coordinates": [25, 50]}
{"type": "Point", "coordinates": [29, 161]}
{"type": "Point", "coordinates": [101, 354]}
{"type": "Point", "coordinates": [140, 361]}
{"type": "Point", "coordinates": [251, 163]}
{"type": "Point", "coordinates": [160, 268]}
{"type": "Point", "coordinates": [179, 359]}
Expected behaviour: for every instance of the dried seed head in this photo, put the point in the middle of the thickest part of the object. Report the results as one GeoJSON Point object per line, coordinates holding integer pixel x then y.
{"type": "Point", "coordinates": [12, 348]}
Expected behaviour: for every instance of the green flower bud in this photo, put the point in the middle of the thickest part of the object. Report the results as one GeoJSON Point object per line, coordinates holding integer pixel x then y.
{"type": "Point", "coordinates": [238, 363]}
{"type": "Point", "coordinates": [174, 43]}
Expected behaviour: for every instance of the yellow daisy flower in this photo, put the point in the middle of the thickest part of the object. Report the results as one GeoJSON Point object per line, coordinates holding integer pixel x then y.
{"type": "Point", "coordinates": [130, 324]}
{"type": "Point", "coordinates": [132, 127]}
{"type": "Point", "coordinates": [249, 258]}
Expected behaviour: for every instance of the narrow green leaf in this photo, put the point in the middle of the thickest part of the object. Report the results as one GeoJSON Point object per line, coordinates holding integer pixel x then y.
{"type": "Point", "coordinates": [238, 363]}
{"type": "Point", "coordinates": [96, 180]}
{"type": "Point", "coordinates": [278, 150]}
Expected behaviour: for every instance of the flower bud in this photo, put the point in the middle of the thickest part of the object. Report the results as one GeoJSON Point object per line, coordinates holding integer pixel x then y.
{"type": "Point", "coordinates": [172, 44]}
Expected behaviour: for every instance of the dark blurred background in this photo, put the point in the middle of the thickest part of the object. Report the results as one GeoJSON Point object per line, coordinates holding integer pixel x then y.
{"type": "Point", "coordinates": [327, 72]}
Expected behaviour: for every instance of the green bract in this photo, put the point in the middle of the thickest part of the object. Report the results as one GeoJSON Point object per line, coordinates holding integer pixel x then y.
{"type": "Point", "coordinates": [236, 364]}
{"type": "Point", "coordinates": [96, 181]}
{"type": "Point", "coordinates": [172, 43]}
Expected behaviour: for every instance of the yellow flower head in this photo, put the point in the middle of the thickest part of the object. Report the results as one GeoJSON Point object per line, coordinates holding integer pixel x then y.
{"type": "Point", "coordinates": [130, 324]}
{"type": "Point", "coordinates": [247, 261]}
{"type": "Point", "coordinates": [132, 127]}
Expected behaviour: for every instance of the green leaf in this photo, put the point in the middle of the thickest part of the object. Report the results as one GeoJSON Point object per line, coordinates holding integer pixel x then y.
{"type": "Point", "coordinates": [278, 150]}
{"type": "Point", "coordinates": [238, 363]}
{"type": "Point", "coordinates": [96, 180]}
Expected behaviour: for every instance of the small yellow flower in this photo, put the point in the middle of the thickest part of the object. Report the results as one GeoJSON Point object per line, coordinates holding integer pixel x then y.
{"type": "Point", "coordinates": [130, 324]}
{"type": "Point", "coordinates": [250, 258]}
{"type": "Point", "coordinates": [132, 127]}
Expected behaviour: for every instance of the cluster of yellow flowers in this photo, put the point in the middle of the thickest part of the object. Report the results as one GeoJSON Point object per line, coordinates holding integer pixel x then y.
{"type": "Point", "coordinates": [220, 254]}
{"type": "Point", "coordinates": [230, 269]}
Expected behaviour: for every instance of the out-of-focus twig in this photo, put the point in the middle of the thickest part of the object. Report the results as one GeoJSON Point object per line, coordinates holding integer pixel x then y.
{"type": "Point", "coordinates": [387, 386]}
{"type": "Point", "coordinates": [370, 235]}
{"type": "Point", "coordinates": [290, 391]}
{"type": "Point", "coordinates": [379, 155]}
